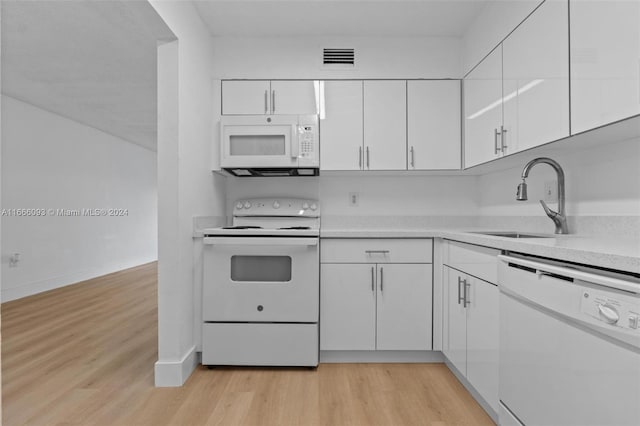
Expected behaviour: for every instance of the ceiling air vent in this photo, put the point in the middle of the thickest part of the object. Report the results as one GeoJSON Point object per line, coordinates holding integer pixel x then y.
{"type": "Point", "coordinates": [338, 58]}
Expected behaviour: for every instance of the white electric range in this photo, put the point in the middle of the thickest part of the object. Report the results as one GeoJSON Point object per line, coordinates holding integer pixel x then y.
{"type": "Point", "coordinates": [261, 285]}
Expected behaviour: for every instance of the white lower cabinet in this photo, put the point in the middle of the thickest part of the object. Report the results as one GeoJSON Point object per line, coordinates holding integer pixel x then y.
{"type": "Point", "coordinates": [347, 307]}
{"type": "Point", "coordinates": [470, 320]}
{"type": "Point", "coordinates": [375, 305]}
{"type": "Point", "coordinates": [403, 307]}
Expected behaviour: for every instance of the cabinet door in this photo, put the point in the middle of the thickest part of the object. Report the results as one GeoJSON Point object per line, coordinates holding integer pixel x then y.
{"type": "Point", "coordinates": [536, 78]}
{"type": "Point", "coordinates": [482, 339]}
{"type": "Point", "coordinates": [605, 62]}
{"type": "Point", "coordinates": [455, 333]}
{"type": "Point", "coordinates": [404, 307]}
{"type": "Point", "coordinates": [385, 125]}
{"type": "Point", "coordinates": [433, 124]}
{"type": "Point", "coordinates": [295, 97]}
{"type": "Point", "coordinates": [341, 126]}
{"type": "Point", "coordinates": [245, 97]}
{"type": "Point", "coordinates": [347, 307]}
{"type": "Point", "coordinates": [483, 110]}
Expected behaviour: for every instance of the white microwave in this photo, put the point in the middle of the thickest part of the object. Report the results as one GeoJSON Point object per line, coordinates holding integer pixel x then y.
{"type": "Point", "coordinates": [270, 145]}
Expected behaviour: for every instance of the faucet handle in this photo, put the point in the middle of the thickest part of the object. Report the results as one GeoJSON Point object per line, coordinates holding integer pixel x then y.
{"type": "Point", "coordinates": [559, 220]}
{"type": "Point", "coordinates": [547, 210]}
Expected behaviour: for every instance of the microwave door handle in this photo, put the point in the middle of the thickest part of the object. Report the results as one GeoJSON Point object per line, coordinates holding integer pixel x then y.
{"type": "Point", "coordinates": [295, 144]}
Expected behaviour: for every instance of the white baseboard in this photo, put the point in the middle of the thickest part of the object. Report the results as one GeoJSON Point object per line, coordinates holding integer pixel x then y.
{"type": "Point", "coordinates": [35, 287]}
{"type": "Point", "coordinates": [175, 373]}
{"type": "Point", "coordinates": [380, 356]}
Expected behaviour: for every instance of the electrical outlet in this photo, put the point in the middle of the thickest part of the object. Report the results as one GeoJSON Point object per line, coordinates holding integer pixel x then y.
{"type": "Point", "coordinates": [551, 191]}
{"type": "Point", "coordinates": [14, 259]}
{"type": "Point", "coordinates": [354, 199]}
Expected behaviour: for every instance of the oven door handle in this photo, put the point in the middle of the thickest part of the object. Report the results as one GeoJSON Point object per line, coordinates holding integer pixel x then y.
{"type": "Point", "coordinates": [260, 241]}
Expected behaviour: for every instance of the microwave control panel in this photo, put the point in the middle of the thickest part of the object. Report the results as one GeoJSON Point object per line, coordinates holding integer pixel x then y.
{"type": "Point", "coordinates": [306, 138]}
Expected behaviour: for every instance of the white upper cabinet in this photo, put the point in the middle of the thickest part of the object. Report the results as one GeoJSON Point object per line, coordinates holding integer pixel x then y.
{"type": "Point", "coordinates": [385, 125]}
{"type": "Point", "coordinates": [605, 62]}
{"type": "Point", "coordinates": [536, 79]}
{"type": "Point", "coordinates": [246, 97]}
{"type": "Point", "coordinates": [251, 97]}
{"type": "Point", "coordinates": [483, 110]}
{"type": "Point", "coordinates": [295, 97]}
{"type": "Point", "coordinates": [341, 126]}
{"type": "Point", "coordinates": [433, 124]}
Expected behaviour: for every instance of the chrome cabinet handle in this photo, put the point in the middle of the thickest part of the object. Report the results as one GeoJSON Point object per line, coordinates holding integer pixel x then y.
{"type": "Point", "coordinates": [273, 101]}
{"type": "Point", "coordinates": [467, 285]}
{"type": "Point", "coordinates": [266, 101]}
{"type": "Point", "coordinates": [360, 157]}
{"type": "Point", "coordinates": [372, 280]}
{"type": "Point", "coordinates": [381, 279]}
{"type": "Point", "coordinates": [459, 292]}
{"type": "Point", "coordinates": [503, 137]}
{"type": "Point", "coordinates": [413, 164]}
{"type": "Point", "coordinates": [496, 133]}
{"type": "Point", "coordinates": [377, 251]}
{"type": "Point", "coordinates": [367, 157]}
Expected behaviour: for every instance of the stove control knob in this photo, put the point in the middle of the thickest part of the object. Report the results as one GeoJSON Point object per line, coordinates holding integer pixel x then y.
{"type": "Point", "coordinates": [247, 205]}
{"type": "Point", "coordinates": [276, 204]}
{"type": "Point", "coordinates": [314, 206]}
{"type": "Point", "coordinates": [239, 205]}
{"type": "Point", "coordinates": [305, 205]}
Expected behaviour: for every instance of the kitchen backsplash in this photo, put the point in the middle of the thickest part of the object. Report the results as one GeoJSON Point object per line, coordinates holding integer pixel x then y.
{"type": "Point", "coordinates": [612, 226]}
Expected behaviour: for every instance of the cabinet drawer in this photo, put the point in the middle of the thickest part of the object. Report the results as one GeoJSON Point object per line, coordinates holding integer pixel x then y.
{"type": "Point", "coordinates": [481, 262]}
{"type": "Point", "coordinates": [375, 250]}
{"type": "Point", "coordinates": [260, 344]}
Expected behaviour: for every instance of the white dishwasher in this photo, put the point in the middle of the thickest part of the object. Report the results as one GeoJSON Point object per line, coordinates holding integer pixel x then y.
{"type": "Point", "coordinates": [569, 344]}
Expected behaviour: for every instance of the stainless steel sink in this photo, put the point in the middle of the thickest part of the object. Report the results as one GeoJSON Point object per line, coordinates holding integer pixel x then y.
{"type": "Point", "coordinates": [511, 234]}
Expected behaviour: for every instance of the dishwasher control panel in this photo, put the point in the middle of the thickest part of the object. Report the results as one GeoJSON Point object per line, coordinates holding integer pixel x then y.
{"type": "Point", "coordinates": [613, 309]}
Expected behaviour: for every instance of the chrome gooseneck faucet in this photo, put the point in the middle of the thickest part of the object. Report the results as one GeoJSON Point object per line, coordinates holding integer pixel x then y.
{"type": "Point", "coordinates": [559, 218]}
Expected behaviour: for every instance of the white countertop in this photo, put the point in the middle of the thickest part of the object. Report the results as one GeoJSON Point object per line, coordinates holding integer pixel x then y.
{"type": "Point", "coordinates": [614, 253]}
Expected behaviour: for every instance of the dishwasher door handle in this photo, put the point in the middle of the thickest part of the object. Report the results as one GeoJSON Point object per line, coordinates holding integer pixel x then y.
{"type": "Point", "coordinates": [540, 268]}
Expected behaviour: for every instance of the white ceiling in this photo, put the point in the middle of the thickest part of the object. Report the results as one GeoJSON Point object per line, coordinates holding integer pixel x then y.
{"type": "Point", "coordinates": [91, 61]}
{"type": "Point", "coordinates": [95, 61]}
{"type": "Point", "coordinates": [387, 18]}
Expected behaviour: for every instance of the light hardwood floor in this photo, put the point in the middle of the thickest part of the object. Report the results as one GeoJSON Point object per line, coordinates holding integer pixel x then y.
{"type": "Point", "coordinates": [84, 355]}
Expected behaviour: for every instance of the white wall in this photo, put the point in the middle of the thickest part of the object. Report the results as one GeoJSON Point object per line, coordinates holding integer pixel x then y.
{"type": "Point", "coordinates": [188, 186]}
{"type": "Point", "coordinates": [51, 162]}
{"type": "Point", "coordinates": [301, 57]}
{"type": "Point", "coordinates": [0, 207]}
{"type": "Point", "coordinates": [602, 180]}
{"type": "Point", "coordinates": [400, 195]}
{"type": "Point", "coordinates": [378, 195]}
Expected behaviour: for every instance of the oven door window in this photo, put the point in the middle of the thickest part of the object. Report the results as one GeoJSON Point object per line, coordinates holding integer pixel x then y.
{"type": "Point", "coordinates": [267, 269]}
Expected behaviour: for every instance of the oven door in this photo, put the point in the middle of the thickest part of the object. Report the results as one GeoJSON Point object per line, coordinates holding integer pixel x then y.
{"type": "Point", "coordinates": [261, 279]}
{"type": "Point", "coordinates": [253, 143]}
